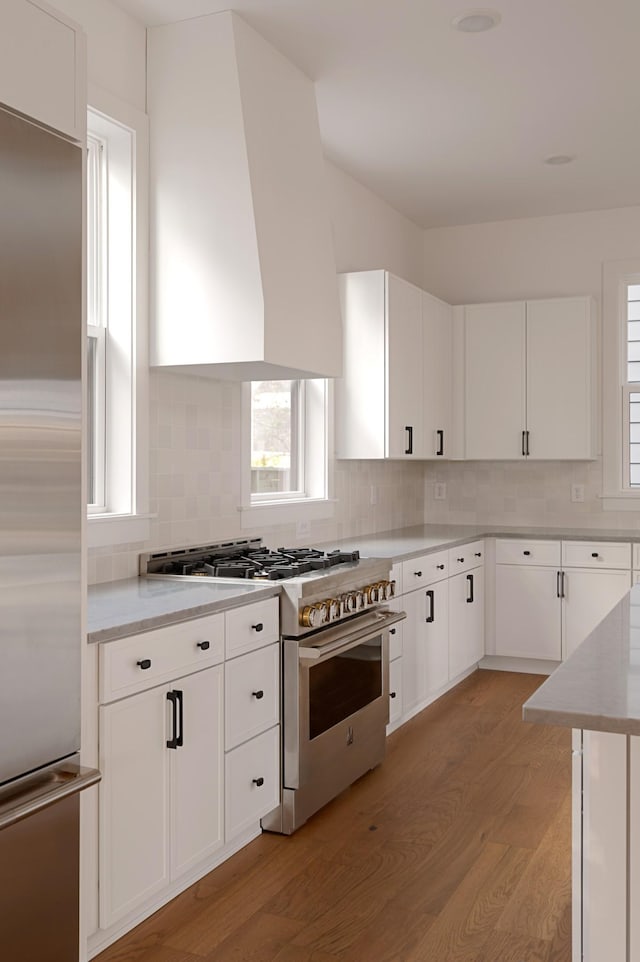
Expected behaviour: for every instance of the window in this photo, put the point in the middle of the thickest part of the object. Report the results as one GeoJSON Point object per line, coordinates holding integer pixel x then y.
{"type": "Point", "coordinates": [621, 385]}
{"type": "Point", "coordinates": [116, 354]}
{"type": "Point", "coordinates": [286, 467]}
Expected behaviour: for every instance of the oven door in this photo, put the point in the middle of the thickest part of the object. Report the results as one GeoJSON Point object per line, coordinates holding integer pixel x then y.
{"type": "Point", "coordinates": [336, 702]}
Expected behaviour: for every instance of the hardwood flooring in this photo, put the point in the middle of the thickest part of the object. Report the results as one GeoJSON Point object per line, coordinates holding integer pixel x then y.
{"type": "Point", "coordinates": [456, 849]}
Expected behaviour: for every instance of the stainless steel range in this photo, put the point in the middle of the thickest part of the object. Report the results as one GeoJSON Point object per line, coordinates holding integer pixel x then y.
{"type": "Point", "coordinates": [335, 659]}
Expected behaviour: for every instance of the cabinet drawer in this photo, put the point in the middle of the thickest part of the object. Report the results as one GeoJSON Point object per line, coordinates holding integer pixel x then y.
{"type": "Point", "coordinates": [466, 556]}
{"type": "Point", "coordinates": [132, 664]}
{"type": "Point", "coordinates": [597, 554]}
{"type": "Point", "coordinates": [424, 570]}
{"type": "Point", "coordinates": [540, 553]}
{"type": "Point", "coordinates": [252, 781]}
{"type": "Point", "coordinates": [395, 691]}
{"type": "Point", "coordinates": [251, 695]}
{"type": "Point", "coordinates": [252, 626]}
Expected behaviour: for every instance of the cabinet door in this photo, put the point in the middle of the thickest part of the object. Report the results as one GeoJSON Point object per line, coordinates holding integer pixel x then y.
{"type": "Point", "coordinates": [437, 335]}
{"type": "Point", "coordinates": [466, 620]}
{"type": "Point", "coordinates": [404, 369]}
{"type": "Point", "coordinates": [41, 62]}
{"type": "Point", "coordinates": [134, 761]}
{"type": "Point", "coordinates": [559, 382]}
{"type": "Point", "coordinates": [494, 381]}
{"type": "Point", "coordinates": [197, 771]}
{"type": "Point", "coordinates": [413, 604]}
{"type": "Point", "coordinates": [434, 660]}
{"type": "Point", "coordinates": [528, 612]}
{"type": "Point", "coordinates": [395, 692]}
{"type": "Point", "coordinates": [588, 597]}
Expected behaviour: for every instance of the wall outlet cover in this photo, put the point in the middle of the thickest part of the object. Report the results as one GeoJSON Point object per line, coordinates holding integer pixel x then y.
{"type": "Point", "coordinates": [303, 529]}
{"type": "Point", "coordinates": [577, 492]}
{"type": "Point", "coordinates": [440, 491]}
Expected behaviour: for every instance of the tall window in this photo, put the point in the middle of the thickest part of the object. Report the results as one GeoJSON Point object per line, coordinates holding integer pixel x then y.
{"type": "Point", "coordinates": [277, 439]}
{"type": "Point", "coordinates": [631, 390]}
{"type": "Point", "coordinates": [96, 318]}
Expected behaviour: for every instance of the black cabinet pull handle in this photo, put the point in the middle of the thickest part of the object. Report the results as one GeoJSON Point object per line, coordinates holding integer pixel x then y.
{"type": "Point", "coordinates": [204, 645]}
{"type": "Point", "coordinates": [528, 451]}
{"type": "Point", "coordinates": [418, 574]}
{"type": "Point", "coordinates": [560, 584]}
{"type": "Point", "coordinates": [440, 450]}
{"type": "Point", "coordinates": [461, 560]}
{"type": "Point", "coordinates": [527, 553]}
{"type": "Point", "coordinates": [432, 608]}
{"type": "Point", "coordinates": [594, 554]}
{"type": "Point", "coordinates": [440, 567]}
{"type": "Point", "coordinates": [478, 554]}
{"type": "Point", "coordinates": [524, 447]}
{"type": "Point", "coordinates": [563, 582]}
{"type": "Point", "coordinates": [177, 719]}
{"type": "Point", "coordinates": [409, 447]}
{"type": "Point", "coordinates": [258, 694]}
{"type": "Point", "coordinates": [258, 627]}
{"type": "Point", "coordinates": [392, 631]}
{"type": "Point", "coordinates": [470, 595]}
{"type": "Point", "coordinates": [258, 781]}
{"type": "Point", "coordinates": [144, 663]}
{"type": "Point", "coordinates": [392, 694]}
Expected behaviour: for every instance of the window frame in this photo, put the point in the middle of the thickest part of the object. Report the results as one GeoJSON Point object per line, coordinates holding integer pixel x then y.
{"type": "Point", "coordinates": [124, 517]}
{"type": "Point", "coordinates": [618, 493]}
{"type": "Point", "coordinates": [298, 448]}
{"type": "Point", "coordinates": [315, 502]}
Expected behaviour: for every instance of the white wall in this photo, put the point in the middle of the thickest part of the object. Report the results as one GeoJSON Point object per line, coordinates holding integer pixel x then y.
{"type": "Point", "coordinates": [535, 257]}
{"type": "Point", "coordinates": [116, 47]}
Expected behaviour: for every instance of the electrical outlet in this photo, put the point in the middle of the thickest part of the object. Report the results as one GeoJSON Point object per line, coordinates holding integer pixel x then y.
{"type": "Point", "coordinates": [440, 491]}
{"type": "Point", "coordinates": [303, 529]}
{"type": "Point", "coordinates": [577, 492]}
{"type": "Point", "coordinates": [373, 494]}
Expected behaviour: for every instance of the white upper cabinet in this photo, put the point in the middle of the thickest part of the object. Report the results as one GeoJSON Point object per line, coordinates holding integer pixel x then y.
{"type": "Point", "coordinates": [529, 380]}
{"type": "Point", "coordinates": [42, 66]}
{"type": "Point", "coordinates": [494, 380]}
{"type": "Point", "coordinates": [243, 275]}
{"type": "Point", "coordinates": [394, 399]}
{"type": "Point", "coordinates": [437, 346]}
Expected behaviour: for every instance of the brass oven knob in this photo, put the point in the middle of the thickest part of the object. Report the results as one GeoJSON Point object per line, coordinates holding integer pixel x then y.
{"type": "Point", "coordinates": [334, 608]}
{"type": "Point", "coordinates": [312, 616]}
{"type": "Point", "coordinates": [350, 602]}
{"type": "Point", "coordinates": [371, 594]}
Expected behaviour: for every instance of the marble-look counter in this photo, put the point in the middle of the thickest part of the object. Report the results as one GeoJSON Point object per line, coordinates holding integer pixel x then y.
{"type": "Point", "coordinates": [121, 608]}
{"type": "Point", "coordinates": [598, 687]}
{"type": "Point", "coordinates": [404, 543]}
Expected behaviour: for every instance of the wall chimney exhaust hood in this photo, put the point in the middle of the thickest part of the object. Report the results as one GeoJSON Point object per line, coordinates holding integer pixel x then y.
{"type": "Point", "coordinates": [243, 275]}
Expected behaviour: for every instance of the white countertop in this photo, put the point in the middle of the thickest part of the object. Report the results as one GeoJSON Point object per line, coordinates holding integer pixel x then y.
{"type": "Point", "coordinates": [598, 687]}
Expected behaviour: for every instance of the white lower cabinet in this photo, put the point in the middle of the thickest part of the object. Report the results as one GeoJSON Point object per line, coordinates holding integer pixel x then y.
{"type": "Point", "coordinates": [161, 807]}
{"type": "Point", "coordinates": [528, 612]}
{"type": "Point", "coordinates": [425, 659]}
{"type": "Point", "coordinates": [466, 620]}
{"type": "Point", "coordinates": [395, 692]}
{"type": "Point", "coordinates": [252, 781]}
{"type": "Point", "coordinates": [588, 596]}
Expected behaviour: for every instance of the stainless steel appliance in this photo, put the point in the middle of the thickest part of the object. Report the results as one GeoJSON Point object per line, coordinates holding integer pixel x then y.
{"type": "Point", "coordinates": [41, 509]}
{"type": "Point", "coordinates": [335, 660]}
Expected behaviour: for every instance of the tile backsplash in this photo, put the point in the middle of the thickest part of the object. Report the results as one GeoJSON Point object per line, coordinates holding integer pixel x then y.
{"type": "Point", "coordinates": [195, 455]}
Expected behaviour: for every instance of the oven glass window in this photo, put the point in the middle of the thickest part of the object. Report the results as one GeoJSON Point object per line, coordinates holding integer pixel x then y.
{"type": "Point", "coordinates": [343, 685]}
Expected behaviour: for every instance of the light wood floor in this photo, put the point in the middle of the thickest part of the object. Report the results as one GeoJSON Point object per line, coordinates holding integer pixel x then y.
{"type": "Point", "coordinates": [457, 849]}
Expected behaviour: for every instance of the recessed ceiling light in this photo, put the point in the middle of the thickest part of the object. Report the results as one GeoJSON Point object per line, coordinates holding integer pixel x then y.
{"type": "Point", "coordinates": [476, 21]}
{"type": "Point", "coordinates": [557, 160]}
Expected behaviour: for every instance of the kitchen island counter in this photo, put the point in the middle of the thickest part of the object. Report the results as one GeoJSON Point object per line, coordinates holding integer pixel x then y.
{"type": "Point", "coordinates": [121, 608]}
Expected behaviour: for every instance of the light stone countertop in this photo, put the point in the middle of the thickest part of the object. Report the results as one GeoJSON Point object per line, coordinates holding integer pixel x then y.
{"type": "Point", "coordinates": [121, 608]}
{"type": "Point", "coordinates": [598, 687]}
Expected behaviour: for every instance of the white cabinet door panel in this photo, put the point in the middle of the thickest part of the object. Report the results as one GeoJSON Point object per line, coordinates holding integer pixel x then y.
{"type": "Point", "coordinates": [413, 604]}
{"type": "Point", "coordinates": [494, 381]}
{"type": "Point", "coordinates": [437, 333]}
{"type": "Point", "coordinates": [404, 369]}
{"type": "Point", "coordinates": [466, 621]}
{"type": "Point", "coordinates": [435, 645]}
{"type": "Point", "coordinates": [395, 691]}
{"type": "Point", "coordinates": [528, 612]}
{"type": "Point", "coordinates": [589, 597]}
{"type": "Point", "coordinates": [197, 828]}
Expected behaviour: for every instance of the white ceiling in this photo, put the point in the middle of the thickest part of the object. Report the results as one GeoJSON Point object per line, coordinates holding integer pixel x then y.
{"type": "Point", "coordinates": [452, 128]}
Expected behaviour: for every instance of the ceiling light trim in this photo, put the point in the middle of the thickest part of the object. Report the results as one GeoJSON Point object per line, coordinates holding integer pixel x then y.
{"type": "Point", "coordinates": [476, 21]}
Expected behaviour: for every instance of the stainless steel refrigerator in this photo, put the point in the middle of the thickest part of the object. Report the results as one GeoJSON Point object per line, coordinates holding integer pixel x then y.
{"type": "Point", "coordinates": [41, 343]}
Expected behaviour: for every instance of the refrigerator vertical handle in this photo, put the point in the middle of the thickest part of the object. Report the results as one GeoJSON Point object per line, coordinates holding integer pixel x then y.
{"type": "Point", "coordinates": [432, 608]}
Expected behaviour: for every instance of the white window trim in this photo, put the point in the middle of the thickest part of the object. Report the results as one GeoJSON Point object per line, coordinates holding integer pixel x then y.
{"type": "Point", "coordinates": [617, 495]}
{"type": "Point", "coordinates": [128, 520]}
{"type": "Point", "coordinates": [318, 503]}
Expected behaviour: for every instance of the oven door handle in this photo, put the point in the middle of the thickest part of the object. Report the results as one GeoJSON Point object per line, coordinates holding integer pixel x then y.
{"type": "Point", "coordinates": [331, 649]}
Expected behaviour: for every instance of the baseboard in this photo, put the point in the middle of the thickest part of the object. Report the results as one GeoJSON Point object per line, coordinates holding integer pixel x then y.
{"type": "Point", "coordinates": [529, 666]}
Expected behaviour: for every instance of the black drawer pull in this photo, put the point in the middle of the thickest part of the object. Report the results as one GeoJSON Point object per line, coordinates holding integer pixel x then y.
{"type": "Point", "coordinates": [144, 663]}
{"type": "Point", "coordinates": [392, 631]}
{"type": "Point", "coordinates": [594, 554]}
{"type": "Point", "coordinates": [418, 574]}
{"type": "Point", "coordinates": [258, 694]}
{"type": "Point", "coordinates": [478, 554]}
{"type": "Point", "coordinates": [392, 694]}
{"type": "Point", "coordinates": [258, 781]}
{"type": "Point", "coordinates": [204, 645]}
{"type": "Point", "coordinates": [461, 560]}
{"type": "Point", "coordinates": [527, 553]}
{"type": "Point", "coordinates": [440, 567]}
{"type": "Point", "coordinates": [258, 627]}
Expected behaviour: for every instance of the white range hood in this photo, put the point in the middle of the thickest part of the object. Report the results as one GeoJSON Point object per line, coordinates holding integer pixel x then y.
{"type": "Point", "coordinates": [243, 276]}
